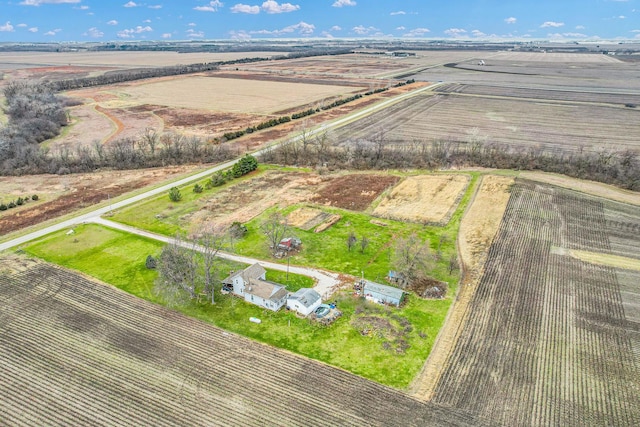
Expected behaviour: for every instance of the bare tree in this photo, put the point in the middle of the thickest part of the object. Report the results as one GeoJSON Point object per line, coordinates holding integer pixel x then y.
{"type": "Point", "coordinates": [276, 228]}
{"type": "Point", "coordinates": [177, 272]}
{"type": "Point", "coordinates": [364, 242]}
{"type": "Point", "coordinates": [351, 240]}
{"type": "Point", "coordinates": [453, 263]}
{"type": "Point", "coordinates": [210, 240]}
{"type": "Point", "coordinates": [412, 257]}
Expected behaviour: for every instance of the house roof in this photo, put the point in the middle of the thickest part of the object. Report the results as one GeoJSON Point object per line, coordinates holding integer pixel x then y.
{"type": "Point", "coordinates": [387, 291]}
{"type": "Point", "coordinates": [252, 272]}
{"type": "Point", "coordinates": [265, 290]}
{"type": "Point", "coordinates": [306, 296]}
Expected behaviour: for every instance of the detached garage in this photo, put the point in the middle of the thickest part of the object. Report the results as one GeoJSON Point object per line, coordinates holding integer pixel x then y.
{"type": "Point", "coordinates": [304, 301]}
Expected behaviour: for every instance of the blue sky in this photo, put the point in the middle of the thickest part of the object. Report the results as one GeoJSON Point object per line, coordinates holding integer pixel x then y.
{"type": "Point", "coordinates": [129, 20]}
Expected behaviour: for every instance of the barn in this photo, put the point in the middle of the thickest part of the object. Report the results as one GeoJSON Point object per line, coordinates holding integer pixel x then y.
{"type": "Point", "coordinates": [382, 294]}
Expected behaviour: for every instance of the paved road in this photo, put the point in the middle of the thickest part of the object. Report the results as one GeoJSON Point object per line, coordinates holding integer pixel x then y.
{"type": "Point", "coordinates": [326, 282]}
{"type": "Point", "coordinates": [165, 188]}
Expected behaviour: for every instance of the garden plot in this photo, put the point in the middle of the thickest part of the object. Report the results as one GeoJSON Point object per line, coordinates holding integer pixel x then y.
{"type": "Point", "coordinates": [354, 192]}
{"type": "Point", "coordinates": [425, 199]}
{"type": "Point", "coordinates": [306, 218]}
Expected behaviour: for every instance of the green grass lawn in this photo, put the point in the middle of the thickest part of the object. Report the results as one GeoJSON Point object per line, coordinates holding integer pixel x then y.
{"type": "Point", "coordinates": [118, 258]}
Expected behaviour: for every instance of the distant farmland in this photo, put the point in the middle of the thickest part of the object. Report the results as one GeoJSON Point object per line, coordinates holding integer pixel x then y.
{"type": "Point", "coordinates": [550, 339]}
{"type": "Point", "coordinates": [509, 121]}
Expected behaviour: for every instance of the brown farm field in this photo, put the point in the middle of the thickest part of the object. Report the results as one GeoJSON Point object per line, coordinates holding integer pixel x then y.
{"type": "Point", "coordinates": [551, 339]}
{"type": "Point", "coordinates": [428, 199]}
{"type": "Point", "coordinates": [78, 352]}
{"type": "Point", "coordinates": [523, 124]}
{"type": "Point", "coordinates": [62, 194]}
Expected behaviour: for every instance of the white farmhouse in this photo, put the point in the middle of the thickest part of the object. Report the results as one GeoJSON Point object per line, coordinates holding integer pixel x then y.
{"type": "Point", "coordinates": [304, 301]}
{"type": "Point", "coordinates": [251, 284]}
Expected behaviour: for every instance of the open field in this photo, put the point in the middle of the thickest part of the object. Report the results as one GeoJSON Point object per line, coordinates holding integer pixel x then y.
{"type": "Point", "coordinates": [77, 352]}
{"type": "Point", "coordinates": [424, 199]}
{"type": "Point", "coordinates": [62, 194]}
{"type": "Point", "coordinates": [551, 127]}
{"type": "Point", "coordinates": [361, 65]}
{"type": "Point", "coordinates": [551, 339]}
{"type": "Point", "coordinates": [225, 95]}
{"type": "Point", "coordinates": [121, 60]}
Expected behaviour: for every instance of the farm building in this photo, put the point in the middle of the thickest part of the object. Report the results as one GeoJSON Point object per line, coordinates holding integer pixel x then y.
{"type": "Point", "coordinates": [251, 284]}
{"type": "Point", "coordinates": [289, 244]}
{"type": "Point", "coordinates": [304, 301]}
{"type": "Point", "coordinates": [382, 294]}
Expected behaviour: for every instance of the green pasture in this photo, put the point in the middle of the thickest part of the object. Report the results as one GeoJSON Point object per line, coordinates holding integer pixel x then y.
{"type": "Point", "coordinates": [118, 258]}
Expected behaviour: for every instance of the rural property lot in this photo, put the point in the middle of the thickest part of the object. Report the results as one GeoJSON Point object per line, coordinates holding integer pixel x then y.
{"type": "Point", "coordinates": [77, 352]}
{"type": "Point", "coordinates": [551, 339]}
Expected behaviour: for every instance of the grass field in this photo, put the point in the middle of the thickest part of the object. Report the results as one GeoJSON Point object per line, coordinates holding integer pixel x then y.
{"type": "Point", "coordinates": [95, 250]}
{"type": "Point", "coordinates": [551, 339]}
{"type": "Point", "coordinates": [77, 352]}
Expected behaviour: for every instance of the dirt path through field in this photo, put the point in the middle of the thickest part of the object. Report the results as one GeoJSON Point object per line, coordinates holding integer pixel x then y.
{"type": "Point", "coordinates": [477, 230]}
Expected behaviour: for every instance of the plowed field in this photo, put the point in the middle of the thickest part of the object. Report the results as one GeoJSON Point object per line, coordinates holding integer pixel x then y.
{"type": "Point", "coordinates": [551, 339]}
{"type": "Point", "coordinates": [77, 352]}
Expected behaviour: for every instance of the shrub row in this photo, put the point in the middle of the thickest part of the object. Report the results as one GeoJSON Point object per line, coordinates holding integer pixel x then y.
{"type": "Point", "coordinates": [18, 202]}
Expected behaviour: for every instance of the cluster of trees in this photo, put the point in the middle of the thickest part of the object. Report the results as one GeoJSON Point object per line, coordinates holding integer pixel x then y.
{"type": "Point", "coordinates": [149, 150]}
{"type": "Point", "coordinates": [188, 269]}
{"type": "Point", "coordinates": [621, 168]}
{"type": "Point", "coordinates": [34, 113]}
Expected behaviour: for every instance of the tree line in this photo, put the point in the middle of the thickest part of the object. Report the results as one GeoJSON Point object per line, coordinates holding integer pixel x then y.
{"type": "Point", "coordinates": [620, 168]}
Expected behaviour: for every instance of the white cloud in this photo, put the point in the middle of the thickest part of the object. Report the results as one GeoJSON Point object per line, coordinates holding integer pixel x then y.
{"type": "Point", "coordinates": [33, 30]}
{"type": "Point", "coordinates": [455, 32]}
{"type": "Point", "coordinates": [94, 32]}
{"type": "Point", "coordinates": [82, 7]}
{"type": "Point", "coordinates": [511, 20]}
{"type": "Point", "coordinates": [245, 8]}
{"type": "Point", "coordinates": [6, 27]}
{"type": "Point", "coordinates": [155, 6]}
{"type": "Point", "coordinates": [635, 31]}
{"type": "Point", "coordinates": [130, 4]}
{"type": "Point", "coordinates": [166, 35]}
{"type": "Point", "coordinates": [127, 34]}
{"type": "Point", "coordinates": [342, 3]}
{"type": "Point", "coordinates": [552, 24]}
{"type": "Point", "coordinates": [621, 17]}
{"type": "Point", "coordinates": [361, 30]}
{"type": "Point", "coordinates": [39, 2]}
{"type": "Point", "coordinates": [146, 21]}
{"type": "Point", "coordinates": [400, 12]}
{"type": "Point", "coordinates": [301, 28]}
{"type": "Point", "coordinates": [580, 27]}
{"type": "Point", "coordinates": [478, 33]}
{"type": "Point", "coordinates": [213, 6]}
{"type": "Point", "coordinates": [53, 32]}
{"type": "Point", "coordinates": [417, 32]}
{"type": "Point", "coordinates": [195, 34]}
{"type": "Point", "coordinates": [271, 6]}
{"type": "Point", "coordinates": [239, 35]}
{"type": "Point", "coordinates": [112, 22]}
{"type": "Point", "coordinates": [401, 28]}
{"type": "Point", "coordinates": [192, 24]}
{"type": "Point", "coordinates": [22, 25]}
{"type": "Point", "coordinates": [335, 28]}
